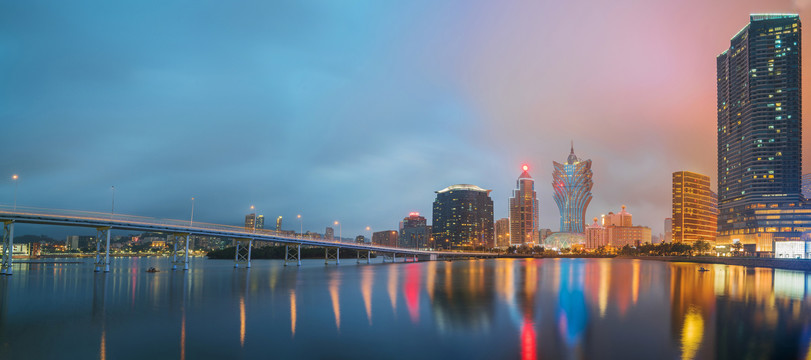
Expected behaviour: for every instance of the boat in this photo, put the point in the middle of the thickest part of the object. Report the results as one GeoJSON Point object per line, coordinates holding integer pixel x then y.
{"type": "Point", "coordinates": [703, 269]}
{"type": "Point", "coordinates": [152, 270]}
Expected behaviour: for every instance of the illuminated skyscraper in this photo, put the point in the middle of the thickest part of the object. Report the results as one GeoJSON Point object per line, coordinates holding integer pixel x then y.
{"type": "Point", "coordinates": [463, 217]}
{"type": "Point", "coordinates": [695, 211]}
{"type": "Point", "coordinates": [572, 184]}
{"type": "Point", "coordinates": [523, 210]}
{"type": "Point", "coordinates": [503, 233]}
{"type": "Point", "coordinates": [414, 232]}
{"type": "Point", "coordinates": [260, 221]}
{"type": "Point", "coordinates": [760, 134]}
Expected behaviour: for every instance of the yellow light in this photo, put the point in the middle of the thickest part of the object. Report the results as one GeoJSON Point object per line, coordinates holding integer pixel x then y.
{"type": "Point", "coordinates": [336, 222]}
{"type": "Point", "coordinates": [14, 177]}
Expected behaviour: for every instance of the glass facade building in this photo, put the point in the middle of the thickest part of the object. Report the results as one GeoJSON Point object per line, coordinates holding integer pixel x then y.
{"type": "Point", "coordinates": [760, 133]}
{"type": "Point", "coordinates": [572, 184]}
{"type": "Point", "coordinates": [695, 210]}
{"type": "Point", "coordinates": [463, 218]}
{"type": "Point", "coordinates": [523, 210]}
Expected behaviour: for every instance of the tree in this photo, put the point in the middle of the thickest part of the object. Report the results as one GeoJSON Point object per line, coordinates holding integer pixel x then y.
{"type": "Point", "coordinates": [701, 246]}
{"type": "Point", "coordinates": [737, 248]}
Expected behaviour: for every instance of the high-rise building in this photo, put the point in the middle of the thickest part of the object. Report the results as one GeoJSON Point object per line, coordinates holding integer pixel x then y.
{"type": "Point", "coordinates": [806, 186]}
{"type": "Point", "coordinates": [279, 223]}
{"type": "Point", "coordinates": [760, 134]}
{"type": "Point", "coordinates": [385, 238]}
{"type": "Point", "coordinates": [329, 233]}
{"type": "Point", "coordinates": [463, 217]}
{"type": "Point", "coordinates": [414, 232]}
{"type": "Point", "coordinates": [668, 231]}
{"type": "Point", "coordinates": [523, 210]}
{"type": "Point", "coordinates": [622, 218]}
{"type": "Point", "coordinates": [572, 184]}
{"type": "Point", "coordinates": [616, 230]}
{"type": "Point", "coordinates": [503, 233]}
{"type": "Point", "coordinates": [695, 215]}
{"type": "Point", "coordinates": [260, 221]}
{"type": "Point", "coordinates": [596, 236]}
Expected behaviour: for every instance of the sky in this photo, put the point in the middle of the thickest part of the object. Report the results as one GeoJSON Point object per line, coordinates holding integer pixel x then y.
{"type": "Point", "coordinates": [356, 111]}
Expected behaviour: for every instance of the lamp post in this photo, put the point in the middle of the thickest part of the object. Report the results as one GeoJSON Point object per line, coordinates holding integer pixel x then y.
{"type": "Point", "coordinates": [340, 230]}
{"type": "Point", "coordinates": [112, 208]}
{"type": "Point", "coordinates": [369, 229]}
{"type": "Point", "coordinates": [15, 177]}
{"type": "Point", "coordinates": [254, 218]}
{"type": "Point", "coordinates": [300, 226]}
{"type": "Point", "coordinates": [191, 219]}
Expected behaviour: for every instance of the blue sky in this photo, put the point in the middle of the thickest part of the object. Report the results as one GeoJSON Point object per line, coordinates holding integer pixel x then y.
{"type": "Point", "coordinates": [354, 111]}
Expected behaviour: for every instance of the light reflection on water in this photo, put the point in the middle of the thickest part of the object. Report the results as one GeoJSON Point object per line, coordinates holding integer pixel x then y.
{"type": "Point", "coordinates": [479, 309]}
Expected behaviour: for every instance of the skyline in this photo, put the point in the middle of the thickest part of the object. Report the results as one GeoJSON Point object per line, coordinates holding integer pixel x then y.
{"type": "Point", "coordinates": [121, 105]}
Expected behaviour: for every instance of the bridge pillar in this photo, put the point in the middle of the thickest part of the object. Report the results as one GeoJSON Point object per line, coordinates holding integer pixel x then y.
{"type": "Point", "coordinates": [332, 256]}
{"type": "Point", "coordinates": [8, 247]}
{"type": "Point", "coordinates": [366, 256]}
{"type": "Point", "coordinates": [102, 262]}
{"type": "Point", "coordinates": [292, 256]}
{"type": "Point", "coordinates": [243, 252]}
{"type": "Point", "coordinates": [180, 257]}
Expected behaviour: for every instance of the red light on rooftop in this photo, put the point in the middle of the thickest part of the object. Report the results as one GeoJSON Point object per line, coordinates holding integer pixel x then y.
{"type": "Point", "coordinates": [525, 167]}
{"type": "Point", "coordinates": [413, 213]}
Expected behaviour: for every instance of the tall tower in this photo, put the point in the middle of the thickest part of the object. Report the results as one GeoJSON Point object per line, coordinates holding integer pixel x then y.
{"type": "Point", "coordinates": [572, 184]}
{"type": "Point", "coordinates": [695, 210]}
{"type": "Point", "coordinates": [523, 210]}
{"type": "Point", "coordinates": [760, 132]}
{"type": "Point", "coordinates": [463, 217]}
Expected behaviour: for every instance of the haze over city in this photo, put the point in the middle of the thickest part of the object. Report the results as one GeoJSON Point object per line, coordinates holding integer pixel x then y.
{"type": "Point", "coordinates": [357, 112]}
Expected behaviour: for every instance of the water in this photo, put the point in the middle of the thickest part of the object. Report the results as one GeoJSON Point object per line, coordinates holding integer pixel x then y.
{"type": "Point", "coordinates": [480, 309]}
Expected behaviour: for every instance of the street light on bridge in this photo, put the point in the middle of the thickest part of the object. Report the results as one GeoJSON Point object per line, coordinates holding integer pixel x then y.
{"type": "Point", "coordinates": [340, 230]}
{"type": "Point", "coordinates": [191, 219]}
{"type": "Point", "coordinates": [369, 229]}
{"type": "Point", "coordinates": [300, 226]}
{"type": "Point", "coordinates": [15, 177]}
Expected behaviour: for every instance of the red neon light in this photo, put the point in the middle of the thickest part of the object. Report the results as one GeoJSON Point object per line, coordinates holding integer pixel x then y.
{"type": "Point", "coordinates": [529, 343]}
{"type": "Point", "coordinates": [413, 213]}
{"type": "Point", "coordinates": [525, 167]}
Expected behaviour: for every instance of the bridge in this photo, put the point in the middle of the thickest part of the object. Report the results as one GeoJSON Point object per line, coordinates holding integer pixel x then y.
{"type": "Point", "coordinates": [182, 230]}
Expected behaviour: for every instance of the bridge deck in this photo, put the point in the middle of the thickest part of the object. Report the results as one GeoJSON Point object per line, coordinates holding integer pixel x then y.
{"type": "Point", "coordinates": [139, 223]}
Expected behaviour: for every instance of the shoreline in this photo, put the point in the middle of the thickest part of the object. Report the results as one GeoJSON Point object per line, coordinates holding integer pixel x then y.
{"type": "Point", "coordinates": [785, 264]}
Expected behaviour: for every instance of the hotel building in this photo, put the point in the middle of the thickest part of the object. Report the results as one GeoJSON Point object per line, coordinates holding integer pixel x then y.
{"type": "Point", "coordinates": [695, 211]}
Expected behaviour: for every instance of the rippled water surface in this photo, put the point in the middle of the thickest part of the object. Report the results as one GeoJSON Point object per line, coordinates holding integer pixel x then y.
{"type": "Point", "coordinates": [478, 309]}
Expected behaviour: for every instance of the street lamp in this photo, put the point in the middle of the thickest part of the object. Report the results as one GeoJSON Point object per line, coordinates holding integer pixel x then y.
{"type": "Point", "coordinates": [191, 219]}
{"type": "Point", "coordinates": [300, 226]}
{"type": "Point", "coordinates": [254, 218]}
{"type": "Point", "coordinates": [369, 229]}
{"type": "Point", "coordinates": [112, 208]}
{"type": "Point", "coordinates": [340, 230]}
{"type": "Point", "coordinates": [15, 177]}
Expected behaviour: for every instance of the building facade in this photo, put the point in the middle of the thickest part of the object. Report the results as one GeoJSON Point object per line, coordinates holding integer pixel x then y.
{"type": "Point", "coordinates": [503, 233]}
{"type": "Point", "coordinates": [668, 231]}
{"type": "Point", "coordinates": [695, 212]}
{"type": "Point", "coordinates": [329, 233]}
{"type": "Point", "coordinates": [806, 186]}
{"type": "Point", "coordinates": [414, 232]}
{"type": "Point", "coordinates": [596, 236]}
{"type": "Point", "coordinates": [249, 221]}
{"type": "Point", "coordinates": [760, 134]}
{"type": "Point", "coordinates": [572, 184]}
{"type": "Point", "coordinates": [385, 238]}
{"type": "Point", "coordinates": [523, 210]}
{"type": "Point", "coordinates": [463, 218]}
